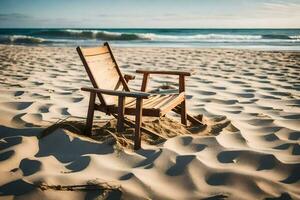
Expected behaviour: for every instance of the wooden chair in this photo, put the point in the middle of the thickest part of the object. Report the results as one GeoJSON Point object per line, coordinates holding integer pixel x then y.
{"type": "Point", "coordinates": [116, 98]}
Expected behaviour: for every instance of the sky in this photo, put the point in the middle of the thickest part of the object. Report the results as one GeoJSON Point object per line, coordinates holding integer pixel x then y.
{"type": "Point", "coordinates": [149, 14]}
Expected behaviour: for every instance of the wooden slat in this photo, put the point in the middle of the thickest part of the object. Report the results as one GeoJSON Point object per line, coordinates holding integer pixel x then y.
{"type": "Point", "coordinates": [151, 99]}
{"type": "Point", "coordinates": [168, 107]}
{"type": "Point", "coordinates": [104, 58]}
{"type": "Point", "coordinates": [174, 100]}
{"type": "Point", "coordinates": [149, 104]}
{"type": "Point", "coordinates": [79, 51]}
{"type": "Point", "coordinates": [129, 100]}
{"type": "Point", "coordinates": [164, 101]}
{"type": "Point", "coordinates": [94, 51]}
{"type": "Point", "coordinates": [102, 72]}
{"type": "Point", "coordinates": [131, 103]}
{"type": "Point", "coordinates": [156, 102]}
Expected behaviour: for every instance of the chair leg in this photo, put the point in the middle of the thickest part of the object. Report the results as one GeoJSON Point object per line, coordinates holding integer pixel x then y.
{"type": "Point", "coordinates": [183, 113]}
{"type": "Point", "coordinates": [121, 111]}
{"type": "Point", "coordinates": [90, 114]}
{"type": "Point", "coordinates": [182, 105]}
{"type": "Point", "coordinates": [138, 123]}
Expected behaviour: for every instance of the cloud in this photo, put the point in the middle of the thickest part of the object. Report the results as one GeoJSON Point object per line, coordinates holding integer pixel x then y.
{"type": "Point", "coordinates": [281, 9]}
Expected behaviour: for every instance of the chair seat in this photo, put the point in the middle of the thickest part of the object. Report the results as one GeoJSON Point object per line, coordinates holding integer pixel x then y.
{"type": "Point", "coordinates": [156, 105]}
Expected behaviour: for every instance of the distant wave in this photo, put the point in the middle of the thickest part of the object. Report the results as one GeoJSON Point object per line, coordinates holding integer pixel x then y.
{"type": "Point", "coordinates": [282, 37]}
{"type": "Point", "coordinates": [89, 34]}
{"type": "Point", "coordinates": [22, 39]}
{"type": "Point", "coordinates": [297, 37]}
{"type": "Point", "coordinates": [200, 37]}
{"type": "Point", "coordinates": [218, 37]}
{"type": "Point", "coordinates": [109, 35]}
{"type": "Point", "coordinates": [155, 36]}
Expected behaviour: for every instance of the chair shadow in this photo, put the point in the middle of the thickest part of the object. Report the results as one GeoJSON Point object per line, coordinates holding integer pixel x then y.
{"type": "Point", "coordinates": [7, 132]}
{"type": "Point", "coordinates": [65, 149]}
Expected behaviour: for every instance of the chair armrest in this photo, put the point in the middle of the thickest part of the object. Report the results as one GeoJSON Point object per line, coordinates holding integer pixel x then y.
{"type": "Point", "coordinates": [179, 73]}
{"type": "Point", "coordinates": [142, 95]}
{"type": "Point", "coordinates": [164, 72]}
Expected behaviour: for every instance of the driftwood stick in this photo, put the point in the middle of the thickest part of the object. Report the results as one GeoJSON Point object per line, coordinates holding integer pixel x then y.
{"type": "Point", "coordinates": [79, 187]}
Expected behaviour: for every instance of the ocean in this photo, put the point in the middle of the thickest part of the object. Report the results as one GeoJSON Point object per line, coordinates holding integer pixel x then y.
{"type": "Point", "coordinates": [268, 39]}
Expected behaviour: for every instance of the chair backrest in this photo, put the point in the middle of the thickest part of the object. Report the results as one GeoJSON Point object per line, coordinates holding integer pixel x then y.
{"type": "Point", "coordinates": [103, 71]}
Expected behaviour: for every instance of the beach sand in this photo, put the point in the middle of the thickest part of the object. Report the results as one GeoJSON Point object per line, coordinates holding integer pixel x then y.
{"type": "Point", "coordinates": [250, 101]}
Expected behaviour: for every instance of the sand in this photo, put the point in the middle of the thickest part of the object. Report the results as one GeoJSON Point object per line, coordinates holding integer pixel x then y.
{"type": "Point", "coordinates": [249, 99]}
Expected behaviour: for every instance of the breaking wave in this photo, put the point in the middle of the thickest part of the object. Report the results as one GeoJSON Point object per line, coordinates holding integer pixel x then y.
{"type": "Point", "coordinates": [109, 35]}
{"type": "Point", "coordinates": [23, 39]}
{"type": "Point", "coordinates": [84, 36]}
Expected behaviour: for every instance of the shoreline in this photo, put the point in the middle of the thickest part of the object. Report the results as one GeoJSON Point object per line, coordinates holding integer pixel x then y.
{"type": "Point", "coordinates": [162, 47]}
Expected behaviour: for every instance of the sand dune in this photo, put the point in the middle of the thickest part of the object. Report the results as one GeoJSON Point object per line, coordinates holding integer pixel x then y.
{"type": "Point", "coordinates": [250, 101]}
